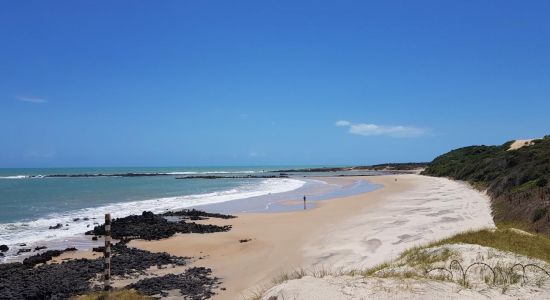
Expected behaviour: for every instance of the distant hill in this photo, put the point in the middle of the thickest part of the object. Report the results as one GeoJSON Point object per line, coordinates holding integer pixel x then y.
{"type": "Point", "coordinates": [409, 166]}
{"type": "Point", "coordinates": [516, 179]}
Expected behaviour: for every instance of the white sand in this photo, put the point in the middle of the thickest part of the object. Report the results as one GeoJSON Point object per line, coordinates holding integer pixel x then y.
{"type": "Point", "coordinates": [520, 143]}
{"type": "Point", "coordinates": [432, 209]}
{"type": "Point", "coordinates": [382, 286]}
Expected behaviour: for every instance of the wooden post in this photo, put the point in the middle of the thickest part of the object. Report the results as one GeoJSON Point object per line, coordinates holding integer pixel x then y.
{"type": "Point", "coordinates": [107, 253]}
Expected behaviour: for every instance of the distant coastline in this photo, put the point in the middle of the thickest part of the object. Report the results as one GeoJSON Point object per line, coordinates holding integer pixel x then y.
{"type": "Point", "coordinates": [379, 167]}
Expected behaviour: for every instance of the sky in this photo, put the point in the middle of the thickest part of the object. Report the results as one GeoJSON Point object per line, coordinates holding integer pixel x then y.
{"type": "Point", "coordinates": [214, 83]}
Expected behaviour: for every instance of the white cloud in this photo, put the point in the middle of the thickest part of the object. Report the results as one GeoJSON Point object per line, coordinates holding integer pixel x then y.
{"type": "Point", "coordinates": [399, 131]}
{"type": "Point", "coordinates": [31, 99]}
{"type": "Point", "coordinates": [342, 123]}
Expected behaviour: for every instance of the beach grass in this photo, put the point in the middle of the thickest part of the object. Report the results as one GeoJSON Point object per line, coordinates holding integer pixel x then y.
{"type": "Point", "coordinates": [505, 239]}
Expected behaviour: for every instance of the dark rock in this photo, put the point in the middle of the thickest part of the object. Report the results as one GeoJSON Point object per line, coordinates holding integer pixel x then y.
{"type": "Point", "coordinates": [41, 258]}
{"type": "Point", "coordinates": [70, 249]}
{"type": "Point", "coordinates": [59, 225]}
{"type": "Point", "coordinates": [76, 219]}
{"type": "Point", "coordinates": [193, 213]}
{"type": "Point", "coordinates": [232, 177]}
{"type": "Point", "coordinates": [4, 248]}
{"type": "Point", "coordinates": [94, 238]}
{"type": "Point", "coordinates": [149, 226]}
{"type": "Point", "coordinates": [64, 280]}
{"type": "Point", "coordinates": [22, 245]}
{"type": "Point", "coordinates": [245, 240]}
{"type": "Point", "coordinates": [86, 219]}
{"type": "Point", "coordinates": [194, 283]}
{"type": "Point", "coordinates": [40, 248]}
{"type": "Point", "coordinates": [24, 250]}
{"type": "Point", "coordinates": [98, 249]}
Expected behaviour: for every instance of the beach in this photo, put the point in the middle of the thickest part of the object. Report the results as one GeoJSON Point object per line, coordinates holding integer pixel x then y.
{"type": "Point", "coordinates": [348, 232]}
{"type": "Point", "coordinates": [357, 223]}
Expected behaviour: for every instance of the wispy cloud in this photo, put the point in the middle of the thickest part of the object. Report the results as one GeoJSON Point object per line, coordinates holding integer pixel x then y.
{"type": "Point", "coordinates": [398, 131]}
{"type": "Point", "coordinates": [342, 123]}
{"type": "Point", "coordinates": [35, 100]}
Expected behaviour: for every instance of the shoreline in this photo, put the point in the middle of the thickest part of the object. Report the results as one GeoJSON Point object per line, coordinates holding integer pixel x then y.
{"type": "Point", "coordinates": [336, 233]}
{"type": "Point", "coordinates": [276, 242]}
{"type": "Point", "coordinates": [319, 190]}
{"type": "Point", "coordinates": [355, 231]}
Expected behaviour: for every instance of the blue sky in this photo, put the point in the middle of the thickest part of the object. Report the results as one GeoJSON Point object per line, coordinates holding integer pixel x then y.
{"type": "Point", "coordinates": [163, 83]}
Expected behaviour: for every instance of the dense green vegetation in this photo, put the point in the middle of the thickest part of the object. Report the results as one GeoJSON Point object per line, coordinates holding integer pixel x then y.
{"type": "Point", "coordinates": [388, 166]}
{"type": "Point", "coordinates": [517, 180]}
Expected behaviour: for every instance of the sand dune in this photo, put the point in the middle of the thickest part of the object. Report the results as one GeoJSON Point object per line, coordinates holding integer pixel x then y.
{"type": "Point", "coordinates": [520, 143]}
{"type": "Point", "coordinates": [391, 282]}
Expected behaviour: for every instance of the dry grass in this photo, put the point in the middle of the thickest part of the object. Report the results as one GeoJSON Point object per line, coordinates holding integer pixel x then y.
{"type": "Point", "coordinates": [534, 246]}
{"type": "Point", "coordinates": [421, 258]}
{"type": "Point", "coordinates": [317, 272]}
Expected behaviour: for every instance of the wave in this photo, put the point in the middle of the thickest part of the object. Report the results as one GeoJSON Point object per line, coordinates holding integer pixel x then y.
{"type": "Point", "coordinates": [15, 177]}
{"type": "Point", "coordinates": [38, 230]}
{"type": "Point", "coordinates": [213, 172]}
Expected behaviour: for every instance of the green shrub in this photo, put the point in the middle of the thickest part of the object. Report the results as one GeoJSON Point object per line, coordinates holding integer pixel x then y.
{"type": "Point", "coordinates": [539, 213]}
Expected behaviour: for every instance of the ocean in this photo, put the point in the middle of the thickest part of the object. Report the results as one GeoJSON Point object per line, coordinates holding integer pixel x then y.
{"type": "Point", "coordinates": [32, 200]}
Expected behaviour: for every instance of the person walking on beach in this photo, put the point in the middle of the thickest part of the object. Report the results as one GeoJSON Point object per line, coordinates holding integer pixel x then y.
{"type": "Point", "coordinates": [304, 202]}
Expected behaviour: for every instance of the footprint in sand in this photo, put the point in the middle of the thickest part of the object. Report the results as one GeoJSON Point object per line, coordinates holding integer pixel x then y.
{"type": "Point", "coordinates": [373, 244]}
{"type": "Point", "coordinates": [451, 219]}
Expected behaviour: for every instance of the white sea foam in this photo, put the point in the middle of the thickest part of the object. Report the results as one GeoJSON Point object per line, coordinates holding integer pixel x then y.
{"type": "Point", "coordinates": [212, 172]}
{"type": "Point", "coordinates": [14, 177]}
{"type": "Point", "coordinates": [38, 230]}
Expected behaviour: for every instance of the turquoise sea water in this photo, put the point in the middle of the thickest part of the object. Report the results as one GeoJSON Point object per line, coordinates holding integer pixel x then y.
{"type": "Point", "coordinates": [24, 198]}
{"type": "Point", "coordinates": [31, 202]}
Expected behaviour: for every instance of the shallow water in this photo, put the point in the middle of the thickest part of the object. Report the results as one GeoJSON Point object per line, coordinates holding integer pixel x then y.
{"type": "Point", "coordinates": [31, 205]}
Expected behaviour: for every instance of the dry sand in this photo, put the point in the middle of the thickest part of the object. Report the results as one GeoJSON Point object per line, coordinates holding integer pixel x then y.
{"type": "Point", "coordinates": [357, 231]}
{"type": "Point", "coordinates": [520, 143]}
{"type": "Point", "coordinates": [397, 281]}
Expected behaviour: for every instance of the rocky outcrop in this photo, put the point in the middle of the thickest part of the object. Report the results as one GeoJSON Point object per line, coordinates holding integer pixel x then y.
{"type": "Point", "coordinates": [194, 283]}
{"type": "Point", "coordinates": [194, 214]}
{"type": "Point", "coordinates": [57, 226]}
{"type": "Point", "coordinates": [232, 177]}
{"type": "Point", "coordinates": [69, 278]}
{"type": "Point", "coordinates": [149, 226]}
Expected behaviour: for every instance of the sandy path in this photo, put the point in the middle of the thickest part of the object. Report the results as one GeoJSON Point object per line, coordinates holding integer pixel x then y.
{"type": "Point", "coordinates": [352, 231]}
